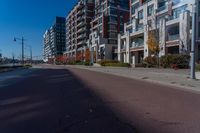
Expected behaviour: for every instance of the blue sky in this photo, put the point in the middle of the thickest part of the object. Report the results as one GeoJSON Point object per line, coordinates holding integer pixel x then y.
{"type": "Point", "coordinates": [28, 18]}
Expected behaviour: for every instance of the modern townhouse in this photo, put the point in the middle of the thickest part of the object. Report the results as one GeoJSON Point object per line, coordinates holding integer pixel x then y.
{"type": "Point", "coordinates": [54, 40]}
{"type": "Point", "coordinates": [78, 29]}
{"type": "Point", "coordinates": [171, 19]}
{"type": "Point", "coordinates": [109, 19]}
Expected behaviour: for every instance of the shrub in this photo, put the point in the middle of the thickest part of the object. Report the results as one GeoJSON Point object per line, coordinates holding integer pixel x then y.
{"type": "Point", "coordinates": [167, 61]}
{"type": "Point", "coordinates": [117, 64]}
{"type": "Point", "coordinates": [71, 63]}
{"type": "Point", "coordinates": [27, 65]}
{"type": "Point", "coordinates": [87, 63]}
{"type": "Point", "coordinates": [198, 67]}
{"type": "Point", "coordinates": [104, 62]}
{"type": "Point", "coordinates": [175, 61]}
{"type": "Point", "coordinates": [140, 65]}
{"type": "Point", "coordinates": [150, 61]}
{"type": "Point", "coordinates": [58, 63]}
{"type": "Point", "coordinates": [113, 63]}
{"type": "Point", "coordinates": [78, 62]}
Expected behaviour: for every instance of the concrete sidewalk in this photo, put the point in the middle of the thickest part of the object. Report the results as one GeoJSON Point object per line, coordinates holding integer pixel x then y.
{"type": "Point", "coordinates": [176, 78]}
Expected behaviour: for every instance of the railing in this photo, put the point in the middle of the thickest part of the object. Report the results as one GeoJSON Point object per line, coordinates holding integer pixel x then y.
{"type": "Point", "coordinates": [129, 22]}
{"type": "Point", "coordinates": [172, 17]}
{"type": "Point", "coordinates": [161, 8]}
{"type": "Point", "coordinates": [173, 37]}
{"type": "Point", "coordinates": [81, 36]}
{"type": "Point", "coordinates": [140, 27]}
{"type": "Point", "coordinates": [81, 29]}
{"type": "Point", "coordinates": [123, 46]}
{"type": "Point", "coordinates": [138, 43]}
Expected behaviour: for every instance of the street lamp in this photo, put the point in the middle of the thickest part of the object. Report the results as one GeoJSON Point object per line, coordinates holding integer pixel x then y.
{"type": "Point", "coordinates": [192, 53]}
{"type": "Point", "coordinates": [22, 42]}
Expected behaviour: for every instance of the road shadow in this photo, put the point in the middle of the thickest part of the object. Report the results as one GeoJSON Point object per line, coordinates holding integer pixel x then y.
{"type": "Point", "coordinates": [55, 101]}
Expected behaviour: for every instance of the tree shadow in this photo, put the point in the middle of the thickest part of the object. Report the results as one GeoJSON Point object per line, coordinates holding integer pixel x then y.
{"type": "Point", "coordinates": [55, 101]}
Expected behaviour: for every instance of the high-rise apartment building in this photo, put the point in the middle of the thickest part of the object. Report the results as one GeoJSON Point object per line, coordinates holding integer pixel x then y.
{"type": "Point", "coordinates": [54, 40]}
{"type": "Point", "coordinates": [78, 29]}
{"type": "Point", "coordinates": [108, 21]}
{"type": "Point", "coordinates": [170, 19]}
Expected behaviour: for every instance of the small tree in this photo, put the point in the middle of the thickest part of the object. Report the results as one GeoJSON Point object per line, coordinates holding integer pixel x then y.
{"type": "Point", "coordinates": [79, 56]}
{"type": "Point", "coordinates": [153, 43]}
{"type": "Point", "coordinates": [87, 55]}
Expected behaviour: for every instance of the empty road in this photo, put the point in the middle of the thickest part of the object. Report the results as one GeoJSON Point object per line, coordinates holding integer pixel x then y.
{"type": "Point", "coordinates": [56, 99]}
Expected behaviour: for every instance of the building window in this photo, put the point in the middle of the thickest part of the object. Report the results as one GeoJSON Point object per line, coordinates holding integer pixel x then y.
{"type": "Point", "coordinates": [134, 7]}
{"type": "Point", "coordinates": [113, 35]}
{"type": "Point", "coordinates": [112, 27]}
{"type": "Point", "coordinates": [199, 9]}
{"type": "Point", "coordinates": [175, 2]}
{"type": "Point", "coordinates": [199, 30]}
{"type": "Point", "coordinates": [140, 14]}
{"type": "Point", "coordinates": [150, 10]}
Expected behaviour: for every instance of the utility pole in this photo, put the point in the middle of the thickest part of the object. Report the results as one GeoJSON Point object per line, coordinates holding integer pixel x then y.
{"type": "Point", "coordinates": [192, 53]}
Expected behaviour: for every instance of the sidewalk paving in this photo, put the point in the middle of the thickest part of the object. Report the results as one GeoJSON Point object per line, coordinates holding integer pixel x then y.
{"type": "Point", "coordinates": [177, 78]}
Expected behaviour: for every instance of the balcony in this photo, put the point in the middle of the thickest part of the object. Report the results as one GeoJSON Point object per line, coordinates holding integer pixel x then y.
{"type": "Point", "coordinates": [81, 36]}
{"type": "Point", "coordinates": [79, 18]}
{"type": "Point", "coordinates": [79, 13]}
{"type": "Point", "coordinates": [116, 51]}
{"type": "Point", "coordinates": [173, 37]}
{"type": "Point", "coordinates": [81, 42]}
{"type": "Point", "coordinates": [129, 23]}
{"type": "Point", "coordinates": [161, 8]}
{"type": "Point", "coordinates": [137, 31]}
{"type": "Point", "coordinates": [137, 43]}
{"type": "Point", "coordinates": [123, 47]}
{"type": "Point", "coordinates": [81, 30]}
{"type": "Point", "coordinates": [162, 5]}
{"type": "Point", "coordinates": [140, 27]}
{"type": "Point", "coordinates": [81, 24]}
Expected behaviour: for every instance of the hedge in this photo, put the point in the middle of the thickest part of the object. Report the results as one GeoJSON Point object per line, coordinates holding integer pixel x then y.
{"type": "Point", "coordinates": [104, 62]}
{"type": "Point", "coordinates": [113, 63]}
{"type": "Point", "coordinates": [150, 61]}
{"type": "Point", "coordinates": [175, 61]}
{"type": "Point", "coordinates": [198, 67]}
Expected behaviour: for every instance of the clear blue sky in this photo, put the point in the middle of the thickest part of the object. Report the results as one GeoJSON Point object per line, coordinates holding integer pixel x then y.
{"type": "Point", "coordinates": [28, 18]}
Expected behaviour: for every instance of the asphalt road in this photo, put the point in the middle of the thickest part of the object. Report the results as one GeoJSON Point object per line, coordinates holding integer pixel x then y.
{"type": "Point", "coordinates": [53, 101]}
{"type": "Point", "coordinates": [59, 100]}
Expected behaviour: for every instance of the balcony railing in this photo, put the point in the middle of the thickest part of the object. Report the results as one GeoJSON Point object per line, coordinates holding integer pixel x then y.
{"type": "Point", "coordinates": [129, 22]}
{"type": "Point", "coordinates": [123, 46]}
{"type": "Point", "coordinates": [81, 30]}
{"type": "Point", "coordinates": [140, 27]}
{"type": "Point", "coordinates": [161, 8]}
{"type": "Point", "coordinates": [138, 43]}
{"type": "Point", "coordinates": [173, 37]}
{"type": "Point", "coordinates": [172, 17]}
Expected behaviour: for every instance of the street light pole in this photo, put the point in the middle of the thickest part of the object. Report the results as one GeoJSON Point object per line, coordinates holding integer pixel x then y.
{"type": "Point", "coordinates": [15, 39]}
{"type": "Point", "coordinates": [192, 53]}
{"type": "Point", "coordinates": [22, 50]}
{"type": "Point", "coordinates": [31, 56]}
